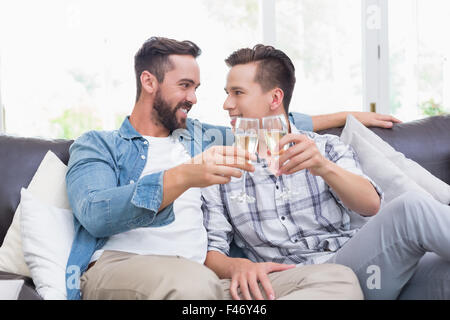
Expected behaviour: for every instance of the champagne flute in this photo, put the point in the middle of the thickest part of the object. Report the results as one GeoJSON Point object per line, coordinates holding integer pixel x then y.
{"type": "Point", "coordinates": [275, 128]}
{"type": "Point", "coordinates": [246, 132]}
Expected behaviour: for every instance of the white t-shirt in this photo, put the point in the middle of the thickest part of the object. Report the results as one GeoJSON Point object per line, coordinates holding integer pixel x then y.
{"type": "Point", "coordinates": [185, 236]}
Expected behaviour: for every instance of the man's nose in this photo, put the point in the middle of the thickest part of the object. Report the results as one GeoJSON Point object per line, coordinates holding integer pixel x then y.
{"type": "Point", "coordinates": [228, 103]}
{"type": "Point", "coordinates": [192, 97]}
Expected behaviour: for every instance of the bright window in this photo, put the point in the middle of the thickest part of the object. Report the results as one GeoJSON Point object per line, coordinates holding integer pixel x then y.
{"type": "Point", "coordinates": [419, 57]}
{"type": "Point", "coordinates": [323, 38]}
{"type": "Point", "coordinates": [67, 66]}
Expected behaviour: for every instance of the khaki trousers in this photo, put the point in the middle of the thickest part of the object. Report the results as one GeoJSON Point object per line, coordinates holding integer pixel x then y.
{"type": "Point", "coordinates": [122, 275]}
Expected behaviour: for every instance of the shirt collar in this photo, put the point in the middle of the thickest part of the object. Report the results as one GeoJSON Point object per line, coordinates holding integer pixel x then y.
{"type": "Point", "coordinates": [293, 128]}
{"type": "Point", "coordinates": [127, 131]}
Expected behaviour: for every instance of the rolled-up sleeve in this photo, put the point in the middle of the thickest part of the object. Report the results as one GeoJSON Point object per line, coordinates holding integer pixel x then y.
{"type": "Point", "coordinates": [99, 203]}
{"type": "Point", "coordinates": [216, 220]}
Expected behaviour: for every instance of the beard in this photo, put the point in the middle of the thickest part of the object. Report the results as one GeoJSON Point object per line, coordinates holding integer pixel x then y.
{"type": "Point", "coordinates": [166, 115]}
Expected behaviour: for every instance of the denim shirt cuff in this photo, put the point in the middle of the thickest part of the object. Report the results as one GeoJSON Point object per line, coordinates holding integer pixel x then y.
{"type": "Point", "coordinates": [149, 192]}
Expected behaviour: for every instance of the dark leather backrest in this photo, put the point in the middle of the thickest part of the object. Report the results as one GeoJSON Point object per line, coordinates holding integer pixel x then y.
{"type": "Point", "coordinates": [426, 141]}
{"type": "Point", "coordinates": [19, 159]}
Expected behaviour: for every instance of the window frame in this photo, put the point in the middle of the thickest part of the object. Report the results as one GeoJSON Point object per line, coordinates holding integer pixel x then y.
{"type": "Point", "coordinates": [375, 56]}
{"type": "Point", "coordinates": [268, 21]}
{"type": "Point", "coordinates": [375, 50]}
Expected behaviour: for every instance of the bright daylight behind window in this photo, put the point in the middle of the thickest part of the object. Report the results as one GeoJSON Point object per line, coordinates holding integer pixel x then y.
{"type": "Point", "coordinates": [419, 58]}
{"type": "Point", "coordinates": [67, 66]}
{"type": "Point", "coordinates": [323, 38]}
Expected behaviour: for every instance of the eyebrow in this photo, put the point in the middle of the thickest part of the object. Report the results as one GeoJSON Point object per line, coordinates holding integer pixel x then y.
{"type": "Point", "coordinates": [190, 81]}
{"type": "Point", "coordinates": [234, 88]}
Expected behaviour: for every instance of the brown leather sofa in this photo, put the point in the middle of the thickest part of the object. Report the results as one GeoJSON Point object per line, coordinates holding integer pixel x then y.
{"type": "Point", "coordinates": [425, 141]}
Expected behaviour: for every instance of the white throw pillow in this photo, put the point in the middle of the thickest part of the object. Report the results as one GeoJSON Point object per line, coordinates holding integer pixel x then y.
{"type": "Point", "coordinates": [398, 162]}
{"type": "Point", "coordinates": [47, 235]}
{"type": "Point", "coordinates": [49, 185]}
{"type": "Point", "coordinates": [392, 181]}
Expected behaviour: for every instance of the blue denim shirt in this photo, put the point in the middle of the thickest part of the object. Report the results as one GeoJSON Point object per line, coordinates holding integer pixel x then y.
{"type": "Point", "coordinates": [105, 192]}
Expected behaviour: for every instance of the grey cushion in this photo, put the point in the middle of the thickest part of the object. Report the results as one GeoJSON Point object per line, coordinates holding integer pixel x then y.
{"type": "Point", "coordinates": [19, 160]}
{"type": "Point", "coordinates": [426, 141]}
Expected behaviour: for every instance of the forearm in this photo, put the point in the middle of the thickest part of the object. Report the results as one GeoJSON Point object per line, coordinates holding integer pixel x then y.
{"type": "Point", "coordinates": [221, 264]}
{"type": "Point", "coordinates": [327, 121]}
{"type": "Point", "coordinates": [356, 192]}
{"type": "Point", "coordinates": [108, 211]}
{"type": "Point", "coordinates": [174, 185]}
{"type": "Point", "coordinates": [105, 211]}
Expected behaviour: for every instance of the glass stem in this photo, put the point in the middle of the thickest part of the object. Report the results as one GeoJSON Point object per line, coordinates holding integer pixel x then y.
{"type": "Point", "coordinates": [243, 184]}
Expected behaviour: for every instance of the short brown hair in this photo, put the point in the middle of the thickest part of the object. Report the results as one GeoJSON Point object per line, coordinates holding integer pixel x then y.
{"type": "Point", "coordinates": [275, 69]}
{"type": "Point", "coordinates": [153, 56]}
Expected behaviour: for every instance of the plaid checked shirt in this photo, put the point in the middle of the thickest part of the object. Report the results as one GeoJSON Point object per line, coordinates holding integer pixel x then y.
{"type": "Point", "coordinates": [307, 229]}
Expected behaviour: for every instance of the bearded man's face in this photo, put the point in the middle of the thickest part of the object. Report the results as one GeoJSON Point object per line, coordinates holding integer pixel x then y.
{"type": "Point", "coordinates": [171, 117]}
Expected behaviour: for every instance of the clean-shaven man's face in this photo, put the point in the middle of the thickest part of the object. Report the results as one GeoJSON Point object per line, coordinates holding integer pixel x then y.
{"type": "Point", "coordinates": [245, 97]}
{"type": "Point", "coordinates": [176, 94]}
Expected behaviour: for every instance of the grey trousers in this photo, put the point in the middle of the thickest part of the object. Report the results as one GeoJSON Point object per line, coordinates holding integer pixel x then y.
{"type": "Point", "coordinates": [121, 275]}
{"type": "Point", "coordinates": [403, 252]}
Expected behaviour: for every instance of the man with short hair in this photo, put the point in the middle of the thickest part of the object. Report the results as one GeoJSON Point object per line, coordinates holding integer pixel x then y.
{"type": "Point", "coordinates": [313, 226]}
{"type": "Point", "coordinates": [135, 194]}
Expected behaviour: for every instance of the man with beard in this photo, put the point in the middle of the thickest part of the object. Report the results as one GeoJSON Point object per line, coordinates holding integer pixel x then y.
{"type": "Point", "coordinates": [135, 194]}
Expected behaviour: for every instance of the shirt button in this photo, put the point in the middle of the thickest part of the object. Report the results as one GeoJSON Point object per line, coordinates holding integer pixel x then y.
{"type": "Point", "coordinates": [145, 142]}
{"type": "Point", "coordinates": [131, 181]}
{"type": "Point", "coordinates": [283, 218]}
{"type": "Point", "coordinates": [277, 186]}
{"type": "Point", "coordinates": [143, 157]}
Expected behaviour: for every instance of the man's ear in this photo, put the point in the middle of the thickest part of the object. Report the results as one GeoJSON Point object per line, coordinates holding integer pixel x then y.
{"type": "Point", "coordinates": [149, 83]}
{"type": "Point", "coordinates": [277, 96]}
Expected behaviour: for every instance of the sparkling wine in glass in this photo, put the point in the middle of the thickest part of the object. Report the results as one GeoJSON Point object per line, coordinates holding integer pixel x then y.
{"type": "Point", "coordinates": [246, 131]}
{"type": "Point", "coordinates": [273, 137]}
{"type": "Point", "coordinates": [275, 128]}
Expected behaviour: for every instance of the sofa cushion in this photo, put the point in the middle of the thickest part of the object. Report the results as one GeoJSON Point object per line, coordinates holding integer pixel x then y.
{"type": "Point", "coordinates": [424, 141]}
{"type": "Point", "coordinates": [386, 161]}
{"type": "Point", "coordinates": [47, 235]}
{"type": "Point", "coordinates": [392, 181]}
{"type": "Point", "coordinates": [19, 160]}
{"type": "Point", "coordinates": [49, 185]}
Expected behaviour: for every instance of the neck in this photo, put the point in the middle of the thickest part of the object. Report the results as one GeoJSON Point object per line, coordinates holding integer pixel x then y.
{"type": "Point", "coordinates": [144, 121]}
